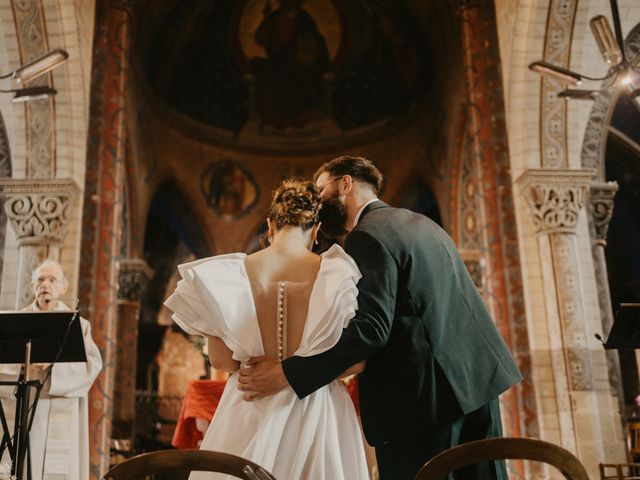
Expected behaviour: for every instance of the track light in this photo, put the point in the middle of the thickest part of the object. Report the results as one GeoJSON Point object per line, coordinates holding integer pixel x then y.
{"type": "Point", "coordinates": [39, 66]}
{"type": "Point", "coordinates": [606, 40]}
{"type": "Point", "coordinates": [611, 46]}
{"type": "Point", "coordinates": [551, 70]}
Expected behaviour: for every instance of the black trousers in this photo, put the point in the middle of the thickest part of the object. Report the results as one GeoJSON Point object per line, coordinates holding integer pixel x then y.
{"type": "Point", "coordinates": [402, 458]}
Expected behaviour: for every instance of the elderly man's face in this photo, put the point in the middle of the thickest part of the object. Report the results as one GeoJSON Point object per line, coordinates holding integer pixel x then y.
{"type": "Point", "coordinates": [48, 286]}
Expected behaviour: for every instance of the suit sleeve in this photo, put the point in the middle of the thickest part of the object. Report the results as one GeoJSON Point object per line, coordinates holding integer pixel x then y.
{"type": "Point", "coordinates": [368, 331]}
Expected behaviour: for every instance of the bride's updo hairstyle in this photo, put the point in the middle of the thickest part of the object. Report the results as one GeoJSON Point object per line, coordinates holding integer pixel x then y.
{"type": "Point", "coordinates": [296, 202]}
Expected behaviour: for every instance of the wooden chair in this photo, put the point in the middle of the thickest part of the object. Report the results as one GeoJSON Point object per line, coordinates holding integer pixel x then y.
{"type": "Point", "coordinates": [503, 448]}
{"type": "Point", "coordinates": [619, 471]}
{"type": "Point", "coordinates": [633, 441]}
{"type": "Point", "coordinates": [165, 461]}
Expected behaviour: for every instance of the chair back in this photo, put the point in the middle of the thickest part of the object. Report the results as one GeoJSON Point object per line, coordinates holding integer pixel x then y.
{"type": "Point", "coordinates": [499, 449]}
{"type": "Point", "coordinates": [165, 461]}
{"type": "Point", "coordinates": [633, 441]}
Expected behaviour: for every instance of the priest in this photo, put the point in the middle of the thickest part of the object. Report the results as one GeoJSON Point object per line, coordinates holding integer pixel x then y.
{"type": "Point", "coordinates": [59, 436]}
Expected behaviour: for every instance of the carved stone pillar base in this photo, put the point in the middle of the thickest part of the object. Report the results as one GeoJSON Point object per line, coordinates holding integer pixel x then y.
{"type": "Point", "coordinates": [39, 212]}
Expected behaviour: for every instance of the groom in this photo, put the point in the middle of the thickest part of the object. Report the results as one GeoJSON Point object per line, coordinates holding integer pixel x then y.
{"type": "Point", "coordinates": [435, 362]}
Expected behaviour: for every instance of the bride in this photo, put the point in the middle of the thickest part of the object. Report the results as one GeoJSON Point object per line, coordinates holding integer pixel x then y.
{"type": "Point", "coordinates": [281, 301]}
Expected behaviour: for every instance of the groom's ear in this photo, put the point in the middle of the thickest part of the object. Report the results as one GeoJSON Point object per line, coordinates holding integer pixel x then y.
{"type": "Point", "coordinates": [345, 184]}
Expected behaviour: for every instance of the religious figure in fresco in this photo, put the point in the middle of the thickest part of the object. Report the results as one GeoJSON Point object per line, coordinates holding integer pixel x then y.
{"type": "Point", "coordinates": [228, 188]}
{"type": "Point", "coordinates": [393, 45]}
{"type": "Point", "coordinates": [289, 81]}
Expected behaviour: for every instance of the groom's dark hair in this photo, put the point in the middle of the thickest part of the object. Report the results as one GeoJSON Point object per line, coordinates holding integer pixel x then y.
{"type": "Point", "coordinates": [360, 168]}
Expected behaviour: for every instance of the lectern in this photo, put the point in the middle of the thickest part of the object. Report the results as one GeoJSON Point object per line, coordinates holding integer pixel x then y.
{"type": "Point", "coordinates": [26, 338]}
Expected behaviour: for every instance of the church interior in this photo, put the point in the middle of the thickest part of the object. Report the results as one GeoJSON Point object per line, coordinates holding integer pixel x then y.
{"type": "Point", "coordinates": [166, 127]}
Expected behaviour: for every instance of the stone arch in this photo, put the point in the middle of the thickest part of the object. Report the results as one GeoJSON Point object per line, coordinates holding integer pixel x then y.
{"type": "Point", "coordinates": [595, 136]}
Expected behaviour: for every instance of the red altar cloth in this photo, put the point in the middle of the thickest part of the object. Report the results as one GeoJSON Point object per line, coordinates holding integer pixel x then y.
{"type": "Point", "coordinates": [202, 399]}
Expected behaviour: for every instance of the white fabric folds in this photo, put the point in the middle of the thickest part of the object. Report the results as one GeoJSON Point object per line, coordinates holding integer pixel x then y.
{"type": "Point", "coordinates": [316, 437]}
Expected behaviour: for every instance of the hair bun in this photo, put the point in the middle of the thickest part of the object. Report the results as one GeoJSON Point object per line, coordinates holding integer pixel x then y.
{"type": "Point", "coordinates": [295, 202]}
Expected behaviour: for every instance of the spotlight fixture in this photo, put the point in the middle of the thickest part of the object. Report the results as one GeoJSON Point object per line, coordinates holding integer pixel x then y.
{"type": "Point", "coordinates": [39, 66]}
{"type": "Point", "coordinates": [605, 39]}
{"type": "Point", "coordinates": [546, 68]}
{"type": "Point", "coordinates": [31, 93]}
{"type": "Point", "coordinates": [611, 46]}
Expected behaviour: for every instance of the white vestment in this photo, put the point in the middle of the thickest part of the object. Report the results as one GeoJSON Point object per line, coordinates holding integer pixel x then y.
{"type": "Point", "coordinates": [59, 437]}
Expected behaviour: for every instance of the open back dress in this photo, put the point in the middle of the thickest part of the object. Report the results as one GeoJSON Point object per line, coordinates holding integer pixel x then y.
{"type": "Point", "coordinates": [317, 437]}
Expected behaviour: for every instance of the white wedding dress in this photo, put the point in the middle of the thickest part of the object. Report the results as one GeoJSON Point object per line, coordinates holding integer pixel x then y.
{"type": "Point", "coordinates": [315, 438]}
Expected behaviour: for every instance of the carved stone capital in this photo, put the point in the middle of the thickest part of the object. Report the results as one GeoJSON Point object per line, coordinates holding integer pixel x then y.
{"type": "Point", "coordinates": [133, 277]}
{"type": "Point", "coordinates": [39, 210]}
{"type": "Point", "coordinates": [601, 208]}
{"type": "Point", "coordinates": [555, 197]}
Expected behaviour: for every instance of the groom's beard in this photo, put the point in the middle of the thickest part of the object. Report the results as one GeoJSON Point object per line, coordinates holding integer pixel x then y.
{"type": "Point", "coordinates": [333, 216]}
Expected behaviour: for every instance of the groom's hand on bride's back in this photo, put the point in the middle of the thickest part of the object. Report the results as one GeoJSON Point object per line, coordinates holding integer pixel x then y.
{"type": "Point", "coordinates": [261, 377]}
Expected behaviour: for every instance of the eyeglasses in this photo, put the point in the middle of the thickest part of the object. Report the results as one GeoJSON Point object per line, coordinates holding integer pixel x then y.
{"type": "Point", "coordinates": [326, 184]}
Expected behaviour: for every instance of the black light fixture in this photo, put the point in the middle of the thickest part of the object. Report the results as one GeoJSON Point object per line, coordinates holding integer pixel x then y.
{"type": "Point", "coordinates": [34, 69]}
{"type": "Point", "coordinates": [612, 49]}
{"type": "Point", "coordinates": [579, 94]}
{"type": "Point", "coordinates": [31, 93]}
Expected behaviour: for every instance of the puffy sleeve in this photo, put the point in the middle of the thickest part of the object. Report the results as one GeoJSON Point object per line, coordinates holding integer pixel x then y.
{"type": "Point", "coordinates": [214, 298]}
{"type": "Point", "coordinates": [188, 309]}
{"type": "Point", "coordinates": [333, 302]}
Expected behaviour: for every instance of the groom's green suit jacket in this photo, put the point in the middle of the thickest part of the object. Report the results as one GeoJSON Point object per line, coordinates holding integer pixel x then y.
{"type": "Point", "coordinates": [433, 352]}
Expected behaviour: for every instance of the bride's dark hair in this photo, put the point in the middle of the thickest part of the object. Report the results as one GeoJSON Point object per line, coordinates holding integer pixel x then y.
{"type": "Point", "coordinates": [296, 202]}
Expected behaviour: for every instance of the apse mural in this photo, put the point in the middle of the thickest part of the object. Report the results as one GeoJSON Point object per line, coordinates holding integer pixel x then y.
{"type": "Point", "coordinates": [288, 58]}
{"type": "Point", "coordinates": [287, 67]}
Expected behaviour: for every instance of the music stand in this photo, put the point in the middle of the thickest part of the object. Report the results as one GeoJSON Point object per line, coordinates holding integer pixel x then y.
{"type": "Point", "coordinates": [33, 337]}
{"type": "Point", "coordinates": [625, 332]}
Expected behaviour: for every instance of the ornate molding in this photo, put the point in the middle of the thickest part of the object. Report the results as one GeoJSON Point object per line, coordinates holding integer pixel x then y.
{"type": "Point", "coordinates": [601, 208]}
{"type": "Point", "coordinates": [555, 197]}
{"type": "Point", "coordinates": [553, 110]}
{"type": "Point", "coordinates": [39, 211]}
{"type": "Point", "coordinates": [133, 278]}
{"type": "Point", "coordinates": [571, 311]}
{"type": "Point", "coordinates": [39, 116]}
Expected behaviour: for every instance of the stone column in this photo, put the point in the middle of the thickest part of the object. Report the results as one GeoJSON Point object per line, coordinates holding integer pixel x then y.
{"type": "Point", "coordinates": [39, 212]}
{"type": "Point", "coordinates": [102, 213]}
{"type": "Point", "coordinates": [556, 198]}
{"type": "Point", "coordinates": [133, 277]}
{"type": "Point", "coordinates": [600, 212]}
{"type": "Point", "coordinates": [496, 267]}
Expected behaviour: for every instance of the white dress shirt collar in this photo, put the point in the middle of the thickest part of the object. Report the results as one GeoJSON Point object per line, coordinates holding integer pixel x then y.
{"type": "Point", "coordinates": [355, 221]}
